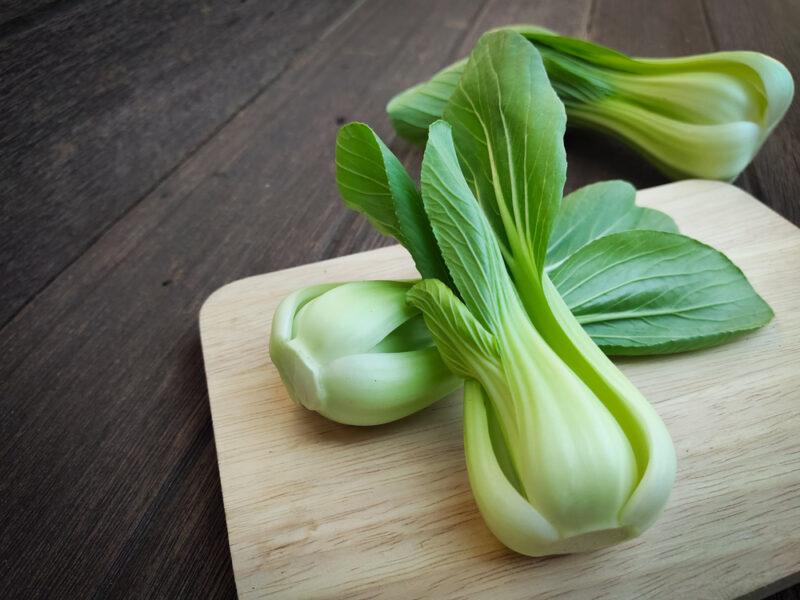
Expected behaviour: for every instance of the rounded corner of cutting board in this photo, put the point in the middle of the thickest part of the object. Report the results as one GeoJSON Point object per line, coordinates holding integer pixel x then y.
{"type": "Point", "coordinates": [221, 296]}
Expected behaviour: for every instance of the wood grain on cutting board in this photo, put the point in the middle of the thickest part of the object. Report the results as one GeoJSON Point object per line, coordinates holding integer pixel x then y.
{"type": "Point", "coordinates": [321, 510]}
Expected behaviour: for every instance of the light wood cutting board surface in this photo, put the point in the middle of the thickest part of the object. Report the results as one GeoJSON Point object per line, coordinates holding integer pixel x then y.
{"type": "Point", "coordinates": [321, 510]}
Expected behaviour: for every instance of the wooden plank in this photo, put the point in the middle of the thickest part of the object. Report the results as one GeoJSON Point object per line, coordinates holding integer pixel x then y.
{"type": "Point", "coordinates": [770, 27]}
{"type": "Point", "coordinates": [650, 29]}
{"type": "Point", "coordinates": [101, 386]}
{"type": "Point", "coordinates": [180, 549]}
{"type": "Point", "coordinates": [103, 99]}
{"type": "Point", "coordinates": [16, 14]}
{"type": "Point", "coordinates": [317, 509]}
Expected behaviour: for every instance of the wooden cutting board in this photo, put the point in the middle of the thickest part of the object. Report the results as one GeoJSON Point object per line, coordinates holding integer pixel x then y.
{"type": "Point", "coordinates": [321, 510]}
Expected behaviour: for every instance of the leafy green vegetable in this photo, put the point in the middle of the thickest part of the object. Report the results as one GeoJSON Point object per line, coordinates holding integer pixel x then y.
{"type": "Point", "coordinates": [697, 116]}
{"type": "Point", "coordinates": [563, 453]}
{"type": "Point", "coordinates": [592, 461]}
{"type": "Point", "coordinates": [569, 491]}
{"type": "Point", "coordinates": [357, 353]}
{"type": "Point", "coordinates": [649, 292]}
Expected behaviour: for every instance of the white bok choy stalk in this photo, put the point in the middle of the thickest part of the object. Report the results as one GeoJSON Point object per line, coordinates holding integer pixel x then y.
{"type": "Point", "coordinates": [357, 353]}
{"type": "Point", "coordinates": [564, 453]}
{"type": "Point", "coordinates": [696, 116]}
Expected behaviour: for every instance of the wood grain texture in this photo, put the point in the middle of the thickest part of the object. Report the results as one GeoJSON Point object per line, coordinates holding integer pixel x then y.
{"type": "Point", "coordinates": [103, 99]}
{"type": "Point", "coordinates": [108, 486]}
{"type": "Point", "coordinates": [18, 14]}
{"type": "Point", "coordinates": [321, 510]}
{"type": "Point", "coordinates": [101, 387]}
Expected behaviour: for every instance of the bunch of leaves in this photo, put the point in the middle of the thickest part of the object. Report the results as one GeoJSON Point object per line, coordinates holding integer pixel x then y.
{"type": "Point", "coordinates": [635, 283]}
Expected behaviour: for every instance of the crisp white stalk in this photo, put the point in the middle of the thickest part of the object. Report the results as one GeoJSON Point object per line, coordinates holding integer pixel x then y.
{"type": "Point", "coordinates": [510, 516]}
{"type": "Point", "coordinates": [679, 148]}
{"type": "Point", "coordinates": [574, 462]}
{"type": "Point", "coordinates": [357, 353]}
{"type": "Point", "coordinates": [575, 441]}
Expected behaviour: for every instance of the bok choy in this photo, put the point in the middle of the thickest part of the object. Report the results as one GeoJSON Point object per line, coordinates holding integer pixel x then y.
{"type": "Point", "coordinates": [695, 116]}
{"type": "Point", "coordinates": [585, 459]}
{"type": "Point", "coordinates": [357, 353]}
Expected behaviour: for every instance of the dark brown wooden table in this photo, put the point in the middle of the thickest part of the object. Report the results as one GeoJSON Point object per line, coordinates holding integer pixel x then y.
{"type": "Point", "coordinates": [154, 151]}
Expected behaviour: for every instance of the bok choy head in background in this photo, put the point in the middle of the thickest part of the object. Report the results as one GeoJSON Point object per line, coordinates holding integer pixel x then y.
{"type": "Point", "coordinates": [697, 116]}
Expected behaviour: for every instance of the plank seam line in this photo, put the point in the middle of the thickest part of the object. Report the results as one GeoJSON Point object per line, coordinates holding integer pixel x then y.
{"type": "Point", "coordinates": [189, 156]}
{"type": "Point", "coordinates": [707, 24]}
{"type": "Point", "coordinates": [587, 27]}
{"type": "Point", "coordinates": [479, 14]}
{"type": "Point", "coordinates": [341, 20]}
